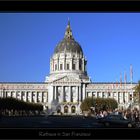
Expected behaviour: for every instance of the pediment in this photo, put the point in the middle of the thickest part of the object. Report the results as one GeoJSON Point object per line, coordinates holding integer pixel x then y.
{"type": "Point", "coordinates": [67, 79]}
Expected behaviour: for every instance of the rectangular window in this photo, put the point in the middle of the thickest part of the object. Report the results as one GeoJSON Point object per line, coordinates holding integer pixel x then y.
{"type": "Point", "coordinates": [73, 66]}
{"type": "Point", "coordinates": [103, 94]}
{"type": "Point", "coordinates": [61, 66]}
{"type": "Point", "coordinates": [80, 66]}
{"type": "Point", "coordinates": [55, 66]}
{"type": "Point", "coordinates": [67, 66]}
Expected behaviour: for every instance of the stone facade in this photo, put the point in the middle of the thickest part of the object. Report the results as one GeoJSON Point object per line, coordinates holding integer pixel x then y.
{"type": "Point", "coordinates": [68, 83]}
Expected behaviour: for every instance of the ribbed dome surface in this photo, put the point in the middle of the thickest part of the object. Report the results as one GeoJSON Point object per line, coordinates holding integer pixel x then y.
{"type": "Point", "coordinates": [68, 44]}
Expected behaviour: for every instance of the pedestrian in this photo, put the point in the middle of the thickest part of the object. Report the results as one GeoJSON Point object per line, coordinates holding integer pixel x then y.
{"type": "Point", "coordinates": [137, 117]}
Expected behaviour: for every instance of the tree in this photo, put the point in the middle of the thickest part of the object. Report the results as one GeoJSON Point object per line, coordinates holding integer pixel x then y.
{"type": "Point", "coordinates": [86, 104]}
{"type": "Point", "coordinates": [99, 104]}
{"type": "Point", "coordinates": [18, 105]}
{"type": "Point", "coordinates": [137, 93]}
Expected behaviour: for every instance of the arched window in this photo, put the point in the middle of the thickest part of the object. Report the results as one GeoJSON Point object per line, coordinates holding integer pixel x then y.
{"type": "Point", "coordinates": [73, 109]}
{"type": "Point", "coordinates": [65, 109]}
{"type": "Point", "coordinates": [59, 110]}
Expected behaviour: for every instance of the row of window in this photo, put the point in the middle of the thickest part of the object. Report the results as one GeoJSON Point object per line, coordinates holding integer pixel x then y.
{"type": "Point", "coordinates": [67, 67]}
{"type": "Point", "coordinates": [109, 94]}
{"type": "Point", "coordinates": [22, 94]}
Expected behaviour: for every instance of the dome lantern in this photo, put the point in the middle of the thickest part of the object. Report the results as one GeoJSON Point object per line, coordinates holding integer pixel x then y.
{"type": "Point", "coordinates": [68, 32]}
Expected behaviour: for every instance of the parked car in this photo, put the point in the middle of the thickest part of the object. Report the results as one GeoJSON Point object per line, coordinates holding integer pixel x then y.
{"type": "Point", "coordinates": [113, 120]}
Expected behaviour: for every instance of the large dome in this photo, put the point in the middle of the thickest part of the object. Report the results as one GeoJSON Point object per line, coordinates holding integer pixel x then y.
{"type": "Point", "coordinates": [68, 44]}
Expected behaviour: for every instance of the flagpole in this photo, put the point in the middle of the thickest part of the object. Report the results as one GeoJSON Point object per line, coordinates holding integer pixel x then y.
{"type": "Point", "coordinates": [131, 78]}
{"type": "Point", "coordinates": [125, 80]}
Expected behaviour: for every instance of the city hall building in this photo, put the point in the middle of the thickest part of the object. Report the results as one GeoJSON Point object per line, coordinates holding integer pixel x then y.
{"type": "Point", "coordinates": [68, 83]}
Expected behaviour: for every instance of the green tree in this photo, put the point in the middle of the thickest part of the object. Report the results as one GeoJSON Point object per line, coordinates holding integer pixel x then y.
{"type": "Point", "coordinates": [12, 104]}
{"type": "Point", "coordinates": [99, 104]}
{"type": "Point", "coordinates": [137, 93]}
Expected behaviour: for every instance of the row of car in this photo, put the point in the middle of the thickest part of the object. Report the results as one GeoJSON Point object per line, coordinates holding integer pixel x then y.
{"type": "Point", "coordinates": [113, 120]}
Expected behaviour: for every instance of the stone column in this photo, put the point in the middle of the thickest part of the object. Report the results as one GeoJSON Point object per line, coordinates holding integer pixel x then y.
{"type": "Point", "coordinates": [121, 97]}
{"type": "Point", "coordinates": [90, 94]}
{"type": "Point", "coordinates": [80, 94]}
{"type": "Point", "coordinates": [76, 93]}
{"type": "Point", "coordinates": [25, 96]}
{"type": "Point", "coordinates": [126, 97]}
{"type": "Point", "coordinates": [78, 64]}
{"type": "Point", "coordinates": [63, 94]}
{"type": "Point", "coordinates": [84, 93]}
{"type": "Point", "coordinates": [70, 94]}
{"type": "Point", "coordinates": [40, 96]}
{"type": "Point", "coordinates": [71, 62]}
{"type": "Point", "coordinates": [55, 93]}
{"type": "Point", "coordinates": [95, 94]}
{"type": "Point", "coordinates": [45, 96]}
{"type": "Point", "coordinates": [14, 94]}
{"type": "Point", "coordinates": [8, 94]}
{"type": "Point", "coordinates": [50, 95]}
{"type": "Point", "coordinates": [59, 93]}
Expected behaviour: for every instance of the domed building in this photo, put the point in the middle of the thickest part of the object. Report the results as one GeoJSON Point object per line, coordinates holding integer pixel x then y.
{"type": "Point", "coordinates": [68, 75]}
{"type": "Point", "coordinates": [68, 83]}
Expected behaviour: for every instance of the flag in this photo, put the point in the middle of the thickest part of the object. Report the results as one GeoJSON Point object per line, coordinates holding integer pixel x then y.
{"type": "Point", "coordinates": [131, 73]}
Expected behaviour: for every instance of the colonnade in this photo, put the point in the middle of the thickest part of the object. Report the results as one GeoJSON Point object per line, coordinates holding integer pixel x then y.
{"type": "Point", "coordinates": [67, 93]}
{"type": "Point", "coordinates": [120, 97]}
{"type": "Point", "coordinates": [27, 96]}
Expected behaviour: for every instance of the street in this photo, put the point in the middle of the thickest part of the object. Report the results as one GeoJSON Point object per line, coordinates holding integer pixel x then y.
{"type": "Point", "coordinates": [52, 122]}
{"type": "Point", "coordinates": [49, 122]}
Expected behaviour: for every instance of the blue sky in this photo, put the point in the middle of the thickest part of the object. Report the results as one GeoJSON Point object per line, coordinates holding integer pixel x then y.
{"type": "Point", "coordinates": [110, 41]}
